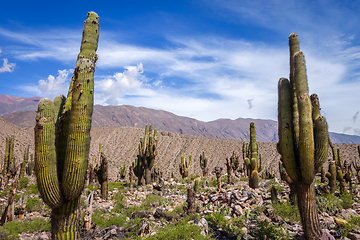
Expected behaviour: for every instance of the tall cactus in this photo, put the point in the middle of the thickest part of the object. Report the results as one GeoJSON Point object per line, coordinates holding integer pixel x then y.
{"type": "Point", "coordinates": [253, 164]}
{"type": "Point", "coordinates": [184, 167]}
{"type": "Point", "coordinates": [102, 174]}
{"type": "Point", "coordinates": [138, 170]}
{"type": "Point", "coordinates": [303, 137]}
{"type": "Point", "coordinates": [203, 164]}
{"type": "Point", "coordinates": [24, 163]}
{"type": "Point", "coordinates": [331, 175]}
{"type": "Point", "coordinates": [147, 152]}
{"type": "Point", "coordinates": [62, 139]}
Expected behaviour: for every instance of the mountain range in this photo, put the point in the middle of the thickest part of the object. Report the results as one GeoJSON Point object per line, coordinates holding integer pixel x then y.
{"type": "Point", "coordinates": [21, 112]}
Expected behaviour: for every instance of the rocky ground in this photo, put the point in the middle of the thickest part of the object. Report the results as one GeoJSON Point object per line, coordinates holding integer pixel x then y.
{"type": "Point", "coordinates": [234, 212]}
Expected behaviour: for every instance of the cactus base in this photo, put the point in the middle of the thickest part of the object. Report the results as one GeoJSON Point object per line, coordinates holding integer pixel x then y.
{"type": "Point", "coordinates": [65, 220]}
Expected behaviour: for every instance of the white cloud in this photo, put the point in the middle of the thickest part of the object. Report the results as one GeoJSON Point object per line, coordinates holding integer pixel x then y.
{"type": "Point", "coordinates": [7, 67]}
{"type": "Point", "coordinates": [113, 87]}
{"type": "Point", "coordinates": [55, 85]}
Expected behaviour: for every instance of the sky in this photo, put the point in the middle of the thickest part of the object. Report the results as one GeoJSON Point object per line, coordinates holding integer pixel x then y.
{"type": "Point", "coordinates": [204, 59]}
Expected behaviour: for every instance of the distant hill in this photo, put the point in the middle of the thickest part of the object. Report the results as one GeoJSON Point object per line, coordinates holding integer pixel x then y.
{"type": "Point", "coordinates": [10, 104]}
{"type": "Point", "coordinates": [139, 117]}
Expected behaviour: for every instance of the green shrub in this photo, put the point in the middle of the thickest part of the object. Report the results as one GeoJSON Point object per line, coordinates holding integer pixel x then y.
{"type": "Point", "coordinates": [268, 231]}
{"type": "Point", "coordinates": [231, 227]}
{"type": "Point", "coordinates": [32, 189]}
{"type": "Point", "coordinates": [192, 176]}
{"type": "Point", "coordinates": [5, 192]}
{"type": "Point", "coordinates": [213, 182]}
{"type": "Point", "coordinates": [152, 200]}
{"type": "Point", "coordinates": [121, 186]}
{"type": "Point", "coordinates": [286, 210]}
{"type": "Point", "coordinates": [105, 219]}
{"type": "Point", "coordinates": [11, 230]}
{"type": "Point", "coordinates": [23, 182]}
{"type": "Point", "coordinates": [244, 179]}
{"type": "Point", "coordinates": [33, 205]}
{"type": "Point", "coordinates": [329, 204]}
{"type": "Point", "coordinates": [347, 200]}
{"type": "Point", "coordinates": [120, 202]}
{"type": "Point", "coordinates": [179, 230]}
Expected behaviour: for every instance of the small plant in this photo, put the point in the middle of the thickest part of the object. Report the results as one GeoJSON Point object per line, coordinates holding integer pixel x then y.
{"type": "Point", "coordinates": [32, 189]}
{"type": "Point", "coordinates": [152, 200]}
{"type": "Point", "coordinates": [23, 182]}
{"type": "Point", "coordinates": [329, 204]}
{"type": "Point", "coordinates": [286, 210]}
{"type": "Point", "coordinates": [11, 230]}
{"type": "Point", "coordinates": [269, 231]}
{"type": "Point", "coordinates": [33, 205]}
{"type": "Point", "coordinates": [196, 185]}
{"type": "Point", "coordinates": [120, 202]}
{"type": "Point", "coordinates": [122, 172]}
{"type": "Point", "coordinates": [179, 230]}
{"type": "Point", "coordinates": [347, 200]}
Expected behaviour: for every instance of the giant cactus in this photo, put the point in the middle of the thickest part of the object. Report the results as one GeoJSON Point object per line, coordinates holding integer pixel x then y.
{"type": "Point", "coordinates": [184, 167]}
{"type": "Point", "coordinates": [253, 164]}
{"type": "Point", "coordinates": [303, 137]}
{"type": "Point", "coordinates": [9, 161]}
{"type": "Point", "coordinates": [62, 139]}
{"type": "Point", "coordinates": [147, 152]}
{"type": "Point", "coordinates": [24, 163]}
{"type": "Point", "coordinates": [203, 164]}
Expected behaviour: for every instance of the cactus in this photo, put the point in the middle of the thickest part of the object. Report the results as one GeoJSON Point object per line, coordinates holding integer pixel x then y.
{"type": "Point", "coordinates": [251, 158]}
{"type": "Point", "coordinates": [184, 167]}
{"type": "Point", "coordinates": [62, 140]}
{"type": "Point", "coordinates": [155, 175]}
{"type": "Point", "coordinates": [273, 193]}
{"type": "Point", "coordinates": [131, 175]}
{"type": "Point", "coordinates": [231, 165]}
{"type": "Point", "coordinates": [339, 167]}
{"type": "Point", "coordinates": [24, 163]}
{"type": "Point", "coordinates": [357, 166]}
{"type": "Point", "coordinates": [303, 137]}
{"type": "Point", "coordinates": [30, 166]}
{"type": "Point", "coordinates": [217, 171]}
{"type": "Point", "coordinates": [102, 174]}
{"type": "Point", "coordinates": [196, 185]}
{"type": "Point", "coordinates": [331, 175]}
{"type": "Point", "coordinates": [147, 152]}
{"type": "Point", "coordinates": [203, 164]}
{"type": "Point", "coordinates": [138, 170]}
{"type": "Point", "coordinates": [9, 160]}
{"type": "Point", "coordinates": [122, 172]}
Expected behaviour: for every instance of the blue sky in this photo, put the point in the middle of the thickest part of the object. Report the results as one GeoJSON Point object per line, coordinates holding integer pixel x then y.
{"type": "Point", "coordinates": [205, 59]}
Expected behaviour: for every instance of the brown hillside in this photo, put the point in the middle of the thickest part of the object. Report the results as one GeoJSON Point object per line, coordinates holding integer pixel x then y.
{"type": "Point", "coordinates": [121, 146]}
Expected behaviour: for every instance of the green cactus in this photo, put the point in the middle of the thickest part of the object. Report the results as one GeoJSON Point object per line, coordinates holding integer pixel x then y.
{"type": "Point", "coordinates": [196, 185]}
{"type": "Point", "coordinates": [331, 175]}
{"type": "Point", "coordinates": [184, 167]}
{"type": "Point", "coordinates": [9, 161]}
{"type": "Point", "coordinates": [102, 175]}
{"type": "Point", "coordinates": [356, 166]}
{"type": "Point", "coordinates": [138, 170]}
{"type": "Point", "coordinates": [30, 166]}
{"type": "Point", "coordinates": [339, 166]}
{"type": "Point", "coordinates": [147, 152]}
{"type": "Point", "coordinates": [231, 165]}
{"type": "Point", "coordinates": [24, 163]}
{"type": "Point", "coordinates": [122, 172]}
{"type": "Point", "coordinates": [62, 140]}
{"type": "Point", "coordinates": [303, 137]}
{"type": "Point", "coordinates": [251, 161]}
{"type": "Point", "coordinates": [203, 164]}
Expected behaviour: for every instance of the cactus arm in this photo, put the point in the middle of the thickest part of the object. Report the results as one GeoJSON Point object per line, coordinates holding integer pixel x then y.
{"type": "Point", "coordinates": [294, 47]}
{"type": "Point", "coordinates": [45, 155]}
{"type": "Point", "coordinates": [77, 151]}
{"type": "Point", "coordinates": [321, 134]}
{"type": "Point", "coordinates": [286, 141]}
{"type": "Point", "coordinates": [260, 163]}
{"type": "Point", "coordinates": [306, 138]}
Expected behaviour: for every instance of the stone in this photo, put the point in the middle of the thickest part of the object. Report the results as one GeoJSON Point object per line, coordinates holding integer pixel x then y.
{"type": "Point", "coordinates": [353, 236]}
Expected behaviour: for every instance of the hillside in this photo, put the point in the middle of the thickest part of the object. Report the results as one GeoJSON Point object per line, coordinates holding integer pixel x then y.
{"type": "Point", "coordinates": [120, 144]}
{"type": "Point", "coordinates": [139, 117]}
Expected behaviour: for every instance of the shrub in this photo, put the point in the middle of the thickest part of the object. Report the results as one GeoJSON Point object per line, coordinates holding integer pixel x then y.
{"type": "Point", "coordinates": [329, 204]}
{"type": "Point", "coordinates": [11, 230]}
{"type": "Point", "coordinates": [121, 186]}
{"type": "Point", "coordinates": [23, 182]}
{"type": "Point", "coordinates": [347, 200]}
{"type": "Point", "coordinates": [32, 189]}
{"type": "Point", "coordinates": [269, 231]}
{"type": "Point", "coordinates": [286, 210]}
{"type": "Point", "coordinates": [33, 205]}
{"type": "Point", "coordinates": [179, 230]}
{"type": "Point", "coordinates": [120, 202]}
{"type": "Point", "coordinates": [230, 227]}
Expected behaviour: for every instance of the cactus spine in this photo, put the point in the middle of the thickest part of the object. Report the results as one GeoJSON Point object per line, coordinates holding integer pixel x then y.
{"type": "Point", "coordinates": [303, 137]}
{"type": "Point", "coordinates": [147, 152]}
{"type": "Point", "coordinates": [184, 167]}
{"type": "Point", "coordinates": [24, 163]}
{"type": "Point", "coordinates": [62, 139]}
{"type": "Point", "coordinates": [251, 160]}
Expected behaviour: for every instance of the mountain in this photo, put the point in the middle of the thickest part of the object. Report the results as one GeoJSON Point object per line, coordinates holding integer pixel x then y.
{"type": "Point", "coordinates": [139, 117]}
{"type": "Point", "coordinates": [10, 104]}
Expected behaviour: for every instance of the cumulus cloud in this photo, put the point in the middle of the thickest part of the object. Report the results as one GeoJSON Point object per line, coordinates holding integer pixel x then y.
{"type": "Point", "coordinates": [7, 67]}
{"type": "Point", "coordinates": [111, 88]}
{"type": "Point", "coordinates": [55, 85]}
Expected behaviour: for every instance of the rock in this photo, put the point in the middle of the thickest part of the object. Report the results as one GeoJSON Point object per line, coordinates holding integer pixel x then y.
{"type": "Point", "coordinates": [238, 210]}
{"type": "Point", "coordinates": [353, 236]}
{"type": "Point", "coordinates": [204, 224]}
